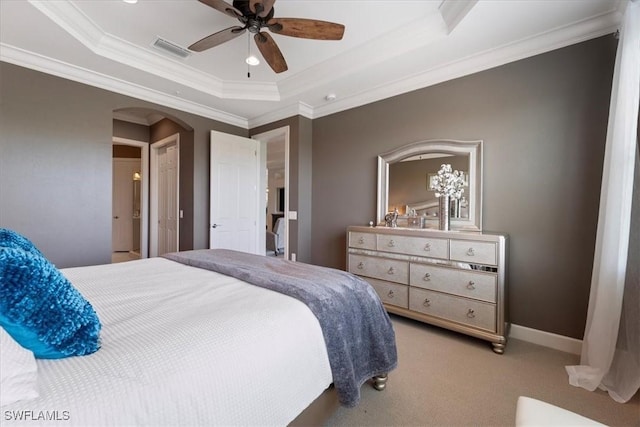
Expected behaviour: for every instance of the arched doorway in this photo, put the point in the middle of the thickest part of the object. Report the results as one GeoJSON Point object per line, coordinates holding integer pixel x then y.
{"type": "Point", "coordinates": [145, 128]}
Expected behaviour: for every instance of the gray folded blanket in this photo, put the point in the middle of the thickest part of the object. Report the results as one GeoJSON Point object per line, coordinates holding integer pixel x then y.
{"type": "Point", "coordinates": [357, 331]}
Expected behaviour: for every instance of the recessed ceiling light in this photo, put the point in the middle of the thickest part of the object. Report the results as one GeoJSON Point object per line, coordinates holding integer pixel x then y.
{"type": "Point", "coordinates": [330, 97]}
{"type": "Point", "coordinates": [252, 60]}
{"type": "Point", "coordinates": [130, 1]}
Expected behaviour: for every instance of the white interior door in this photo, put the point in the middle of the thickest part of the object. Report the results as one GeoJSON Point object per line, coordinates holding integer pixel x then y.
{"type": "Point", "coordinates": [167, 200]}
{"type": "Point", "coordinates": [234, 179]}
{"type": "Point", "coordinates": [164, 228]}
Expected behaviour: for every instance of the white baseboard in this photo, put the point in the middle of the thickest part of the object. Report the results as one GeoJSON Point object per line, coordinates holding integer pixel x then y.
{"type": "Point", "coordinates": [547, 339]}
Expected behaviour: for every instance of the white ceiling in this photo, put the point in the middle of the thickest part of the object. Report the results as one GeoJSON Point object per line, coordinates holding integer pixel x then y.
{"type": "Point", "coordinates": [389, 47]}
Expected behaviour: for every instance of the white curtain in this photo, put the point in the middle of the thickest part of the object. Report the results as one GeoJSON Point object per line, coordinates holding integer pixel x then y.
{"type": "Point", "coordinates": [610, 356]}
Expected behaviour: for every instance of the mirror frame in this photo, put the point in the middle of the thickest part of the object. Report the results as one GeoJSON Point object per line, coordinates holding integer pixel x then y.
{"type": "Point", "coordinates": [446, 146]}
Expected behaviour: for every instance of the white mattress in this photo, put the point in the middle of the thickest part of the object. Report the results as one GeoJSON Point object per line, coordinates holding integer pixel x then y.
{"type": "Point", "coordinates": [183, 346]}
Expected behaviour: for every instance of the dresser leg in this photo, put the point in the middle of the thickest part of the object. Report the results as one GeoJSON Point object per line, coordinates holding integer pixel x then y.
{"type": "Point", "coordinates": [498, 347]}
{"type": "Point", "coordinates": [380, 382]}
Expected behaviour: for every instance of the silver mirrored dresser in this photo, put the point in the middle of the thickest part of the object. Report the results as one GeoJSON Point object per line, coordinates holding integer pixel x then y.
{"type": "Point", "coordinates": [455, 280]}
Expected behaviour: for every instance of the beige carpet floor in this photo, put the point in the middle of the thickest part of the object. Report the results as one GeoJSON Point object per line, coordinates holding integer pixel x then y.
{"type": "Point", "coordinates": [448, 379]}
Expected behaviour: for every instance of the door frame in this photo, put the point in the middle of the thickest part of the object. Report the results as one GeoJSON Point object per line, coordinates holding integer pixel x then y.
{"type": "Point", "coordinates": [264, 139]}
{"type": "Point", "coordinates": [144, 190]}
{"type": "Point", "coordinates": [154, 190]}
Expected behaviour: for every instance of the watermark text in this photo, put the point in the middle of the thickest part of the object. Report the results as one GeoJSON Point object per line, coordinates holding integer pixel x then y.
{"type": "Point", "coordinates": [28, 415]}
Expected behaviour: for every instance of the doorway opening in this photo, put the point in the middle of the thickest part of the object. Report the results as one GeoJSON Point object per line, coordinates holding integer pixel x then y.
{"type": "Point", "coordinates": [276, 143]}
{"type": "Point", "coordinates": [130, 199]}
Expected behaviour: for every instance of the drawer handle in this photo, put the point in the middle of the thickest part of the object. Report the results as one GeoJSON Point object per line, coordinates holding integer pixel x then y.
{"type": "Point", "coordinates": [471, 314]}
{"type": "Point", "coordinates": [361, 265]}
{"type": "Point", "coordinates": [391, 271]}
{"type": "Point", "coordinates": [426, 302]}
{"type": "Point", "coordinates": [427, 277]}
{"type": "Point", "coordinates": [427, 247]}
{"type": "Point", "coordinates": [471, 284]}
{"type": "Point", "coordinates": [471, 252]}
{"type": "Point", "coordinates": [391, 243]}
{"type": "Point", "coordinates": [361, 240]}
{"type": "Point", "coordinates": [390, 294]}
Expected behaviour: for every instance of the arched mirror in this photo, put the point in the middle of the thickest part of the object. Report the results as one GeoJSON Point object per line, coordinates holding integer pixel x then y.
{"type": "Point", "coordinates": [404, 176]}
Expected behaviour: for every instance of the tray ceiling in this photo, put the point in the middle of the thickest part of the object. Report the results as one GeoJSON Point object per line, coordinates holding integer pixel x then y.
{"type": "Point", "coordinates": [389, 47]}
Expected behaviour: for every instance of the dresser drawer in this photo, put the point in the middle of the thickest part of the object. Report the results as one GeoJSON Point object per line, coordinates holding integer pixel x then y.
{"type": "Point", "coordinates": [461, 310]}
{"type": "Point", "coordinates": [390, 293]}
{"type": "Point", "coordinates": [474, 252]}
{"type": "Point", "coordinates": [362, 240]}
{"type": "Point", "coordinates": [466, 283]}
{"type": "Point", "coordinates": [421, 246]}
{"type": "Point", "coordinates": [379, 268]}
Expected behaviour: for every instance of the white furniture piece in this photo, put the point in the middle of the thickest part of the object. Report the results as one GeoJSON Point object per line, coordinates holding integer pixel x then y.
{"type": "Point", "coordinates": [533, 413]}
{"type": "Point", "coordinates": [278, 229]}
{"type": "Point", "coordinates": [271, 240]}
{"type": "Point", "coordinates": [275, 239]}
{"type": "Point", "coordinates": [456, 280]}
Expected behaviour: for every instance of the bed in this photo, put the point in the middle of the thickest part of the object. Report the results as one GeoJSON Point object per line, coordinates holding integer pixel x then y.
{"type": "Point", "coordinates": [183, 344]}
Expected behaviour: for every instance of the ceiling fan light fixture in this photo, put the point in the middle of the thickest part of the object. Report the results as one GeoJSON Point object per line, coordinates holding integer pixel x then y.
{"type": "Point", "coordinates": [252, 60]}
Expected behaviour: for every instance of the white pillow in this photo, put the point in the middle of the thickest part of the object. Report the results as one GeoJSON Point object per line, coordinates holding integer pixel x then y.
{"type": "Point", "coordinates": [19, 372]}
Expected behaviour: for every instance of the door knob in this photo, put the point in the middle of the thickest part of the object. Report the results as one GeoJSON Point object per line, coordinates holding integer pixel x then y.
{"type": "Point", "coordinates": [216, 225]}
{"type": "Point", "coordinates": [116, 217]}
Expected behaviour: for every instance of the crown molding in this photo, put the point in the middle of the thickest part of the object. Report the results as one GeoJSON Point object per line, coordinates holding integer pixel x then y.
{"type": "Point", "coordinates": [57, 68]}
{"type": "Point", "coordinates": [81, 27]}
{"type": "Point", "coordinates": [291, 110]}
{"type": "Point", "coordinates": [410, 37]}
{"type": "Point", "coordinates": [598, 26]}
{"type": "Point", "coordinates": [552, 40]}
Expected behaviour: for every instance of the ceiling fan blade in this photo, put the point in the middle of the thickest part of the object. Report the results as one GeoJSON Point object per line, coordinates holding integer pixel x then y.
{"type": "Point", "coordinates": [270, 52]}
{"type": "Point", "coordinates": [261, 7]}
{"type": "Point", "coordinates": [217, 38]}
{"type": "Point", "coordinates": [224, 7]}
{"type": "Point", "coordinates": [306, 28]}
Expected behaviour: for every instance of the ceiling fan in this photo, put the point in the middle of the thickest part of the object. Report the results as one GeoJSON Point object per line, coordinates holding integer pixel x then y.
{"type": "Point", "coordinates": [254, 15]}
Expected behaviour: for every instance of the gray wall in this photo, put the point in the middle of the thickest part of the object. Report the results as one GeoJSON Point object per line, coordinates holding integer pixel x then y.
{"type": "Point", "coordinates": [128, 130]}
{"type": "Point", "coordinates": [543, 121]}
{"type": "Point", "coordinates": [55, 164]}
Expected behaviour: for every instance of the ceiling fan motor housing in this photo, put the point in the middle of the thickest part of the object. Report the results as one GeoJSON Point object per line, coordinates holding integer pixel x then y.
{"type": "Point", "coordinates": [243, 6]}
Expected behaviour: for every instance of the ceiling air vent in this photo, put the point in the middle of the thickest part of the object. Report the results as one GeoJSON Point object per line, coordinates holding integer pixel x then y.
{"type": "Point", "coordinates": [171, 48]}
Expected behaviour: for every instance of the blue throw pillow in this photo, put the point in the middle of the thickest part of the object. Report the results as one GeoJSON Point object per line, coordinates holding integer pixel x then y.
{"type": "Point", "coordinates": [11, 239]}
{"type": "Point", "coordinates": [42, 310]}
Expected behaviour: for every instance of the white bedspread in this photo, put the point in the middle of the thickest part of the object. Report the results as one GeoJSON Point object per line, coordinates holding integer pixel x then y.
{"type": "Point", "coordinates": [183, 346]}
